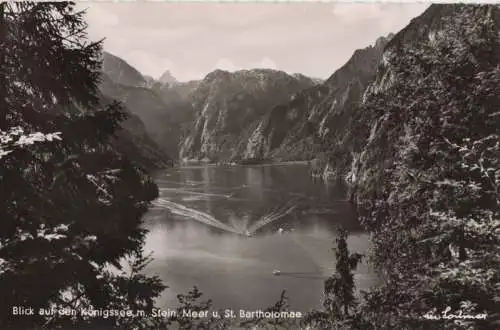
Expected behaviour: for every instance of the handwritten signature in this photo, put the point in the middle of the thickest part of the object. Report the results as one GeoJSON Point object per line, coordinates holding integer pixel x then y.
{"type": "Point", "coordinates": [458, 315]}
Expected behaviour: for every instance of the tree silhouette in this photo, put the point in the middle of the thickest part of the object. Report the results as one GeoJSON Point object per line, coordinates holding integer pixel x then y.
{"type": "Point", "coordinates": [71, 206]}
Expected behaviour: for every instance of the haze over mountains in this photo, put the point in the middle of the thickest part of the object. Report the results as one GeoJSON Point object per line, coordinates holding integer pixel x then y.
{"type": "Point", "coordinates": [260, 114]}
{"type": "Point", "coordinates": [247, 114]}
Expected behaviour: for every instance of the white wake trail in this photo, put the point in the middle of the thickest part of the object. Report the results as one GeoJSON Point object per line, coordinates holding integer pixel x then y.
{"type": "Point", "coordinates": [205, 218]}
{"type": "Point", "coordinates": [199, 216]}
{"type": "Point", "coordinates": [272, 217]}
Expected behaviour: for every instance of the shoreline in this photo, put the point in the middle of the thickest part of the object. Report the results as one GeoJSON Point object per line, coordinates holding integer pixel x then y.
{"type": "Point", "coordinates": [238, 164]}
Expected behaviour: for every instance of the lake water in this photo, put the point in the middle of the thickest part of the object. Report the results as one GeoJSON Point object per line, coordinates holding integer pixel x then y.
{"type": "Point", "coordinates": [219, 229]}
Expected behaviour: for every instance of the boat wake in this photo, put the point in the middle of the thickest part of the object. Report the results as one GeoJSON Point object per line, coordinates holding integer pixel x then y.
{"type": "Point", "coordinates": [207, 219]}
{"type": "Point", "coordinates": [273, 216]}
{"type": "Point", "coordinates": [190, 213]}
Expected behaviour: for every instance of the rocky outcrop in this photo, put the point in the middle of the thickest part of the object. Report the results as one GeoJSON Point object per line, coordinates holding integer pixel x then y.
{"type": "Point", "coordinates": [314, 120]}
{"type": "Point", "coordinates": [228, 107]}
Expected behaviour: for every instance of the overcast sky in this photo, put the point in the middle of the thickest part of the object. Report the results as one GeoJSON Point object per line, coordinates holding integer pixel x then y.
{"type": "Point", "coordinates": [193, 39]}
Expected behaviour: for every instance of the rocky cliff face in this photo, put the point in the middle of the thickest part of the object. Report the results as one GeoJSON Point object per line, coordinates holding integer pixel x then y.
{"type": "Point", "coordinates": [362, 167]}
{"type": "Point", "coordinates": [229, 106]}
{"type": "Point", "coordinates": [315, 117]}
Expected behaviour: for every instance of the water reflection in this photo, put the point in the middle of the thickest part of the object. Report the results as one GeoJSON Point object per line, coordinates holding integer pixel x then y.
{"type": "Point", "coordinates": [255, 181]}
{"type": "Point", "coordinates": [194, 242]}
{"type": "Point", "coordinates": [206, 179]}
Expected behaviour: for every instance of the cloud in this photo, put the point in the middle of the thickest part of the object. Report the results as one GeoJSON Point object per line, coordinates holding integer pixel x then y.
{"type": "Point", "coordinates": [266, 63]}
{"type": "Point", "coordinates": [227, 65]}
{"type": "Point", "coordinates": [100, 17]}
{"type": "Point", "coordinates": [195, 38]}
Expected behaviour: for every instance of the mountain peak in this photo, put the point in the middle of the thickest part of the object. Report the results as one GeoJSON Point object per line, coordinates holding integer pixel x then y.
{"type": "Point", "coordinates": [167, 78]}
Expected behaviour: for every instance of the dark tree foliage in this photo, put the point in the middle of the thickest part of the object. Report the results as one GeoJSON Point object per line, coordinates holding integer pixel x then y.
{"type": "Point", "coordinates": [339, 302]}
{"type": "Point", "coordinates": [71, 207]}
{"type": "Point", "coordinates": [192, 302]}
{"type": "Point", "coordinates": [430, 142]}
{"type": "Point", "coordinates": [340, 287]}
